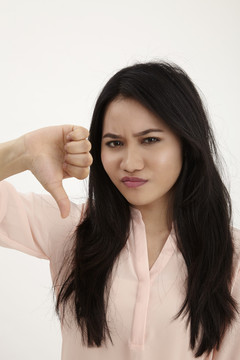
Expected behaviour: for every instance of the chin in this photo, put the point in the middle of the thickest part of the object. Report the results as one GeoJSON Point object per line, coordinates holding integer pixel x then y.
{"type": "Point", "coordinates": [137, 202]}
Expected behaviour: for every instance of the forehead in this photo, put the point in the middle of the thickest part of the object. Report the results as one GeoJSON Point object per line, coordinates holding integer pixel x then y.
{"type": "Point", "coordinates": [125, 114]}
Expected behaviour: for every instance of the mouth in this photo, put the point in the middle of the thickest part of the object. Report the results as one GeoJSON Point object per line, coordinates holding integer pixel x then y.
{"type": "Point", "coordinates": [133, 182]}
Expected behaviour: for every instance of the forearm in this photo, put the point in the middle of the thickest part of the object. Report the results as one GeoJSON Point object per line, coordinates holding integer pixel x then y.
{"type": "Point", "coordinates": [13, 159]}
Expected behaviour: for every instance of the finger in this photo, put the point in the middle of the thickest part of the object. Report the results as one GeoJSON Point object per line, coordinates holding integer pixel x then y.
{"type": "Point", "coordinates": [77, 147]}
{"type": "Point", "coordinates": [79, 133]}
{"type": "Point", "coordinates": [76, 171]}
{"type": "Point", "coordinates": [81, 160]}
{"type": "Point", "coordinates": [64, 207]}
{"type": "Point", "coordinates": [58, 193]}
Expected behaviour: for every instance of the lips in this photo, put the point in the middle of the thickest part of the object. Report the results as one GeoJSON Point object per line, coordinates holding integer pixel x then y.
{"type": "Point", "coordinates": [133, 181]}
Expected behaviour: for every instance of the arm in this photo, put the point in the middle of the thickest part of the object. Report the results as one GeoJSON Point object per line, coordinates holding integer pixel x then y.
{"type": "Point", "coordinates": [52, 154]}
{"type": "Point", "coordinates": [29, 221]}
{"type": "Point", "coordinates": [12, 158]}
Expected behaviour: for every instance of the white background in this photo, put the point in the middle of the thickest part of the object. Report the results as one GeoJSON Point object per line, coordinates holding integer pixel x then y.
{"type": "Point", "coordinates": [55, 56]}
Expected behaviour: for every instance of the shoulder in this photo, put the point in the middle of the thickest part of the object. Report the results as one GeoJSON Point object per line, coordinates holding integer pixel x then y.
{"type": "Point", "coordinates": [31, 222]}
{"type": "Point", "coordinates": [42, 202]}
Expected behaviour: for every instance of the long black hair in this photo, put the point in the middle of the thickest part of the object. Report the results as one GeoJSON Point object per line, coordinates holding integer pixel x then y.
{"type": "Point", "coordinates": [201, 213]}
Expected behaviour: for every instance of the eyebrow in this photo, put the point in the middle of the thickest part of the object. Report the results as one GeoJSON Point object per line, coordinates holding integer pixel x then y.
{"type": "Point", "coordinates": [141, 133]}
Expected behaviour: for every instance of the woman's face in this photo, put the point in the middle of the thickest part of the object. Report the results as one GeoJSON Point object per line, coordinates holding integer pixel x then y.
{"type": "Point", "coordinates": [140, 154]}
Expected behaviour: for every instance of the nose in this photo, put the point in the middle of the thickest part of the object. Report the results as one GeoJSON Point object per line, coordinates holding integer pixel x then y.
{"type": "Point", "coordinates": [132, 161]}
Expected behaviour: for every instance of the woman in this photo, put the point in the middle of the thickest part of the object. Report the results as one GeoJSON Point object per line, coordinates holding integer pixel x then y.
{"type": "Point", "coordinates": [150, 271]}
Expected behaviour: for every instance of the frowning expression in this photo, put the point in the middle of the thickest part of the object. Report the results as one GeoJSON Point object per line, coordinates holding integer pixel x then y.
{"type": "Point", "coordinates": [140, 154]}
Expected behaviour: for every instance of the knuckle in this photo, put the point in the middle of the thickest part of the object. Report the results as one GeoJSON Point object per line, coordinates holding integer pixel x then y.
{"type": "Point", "coordinates": [83, 173]}
{"type": "Point", "coordinates": [85, 146]}
{"type": "Point", "coordinates": [83, 132]}
{"type": "Point", "coordinates": [90, 159]}
{"type": "Point", "coordinates": [87, 160]}
{"type": "Point", "coordinates": [88, 145]}
{"type": "Point", "coordinates": [86, 172]}
{"type": "Point", "coordinates": [67, 146]}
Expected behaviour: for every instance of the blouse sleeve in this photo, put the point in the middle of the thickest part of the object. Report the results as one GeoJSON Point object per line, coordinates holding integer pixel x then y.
{"type": "Point", "coordinates": [31, 223]}
{"type": "Point", "coordinates": [230, 346]}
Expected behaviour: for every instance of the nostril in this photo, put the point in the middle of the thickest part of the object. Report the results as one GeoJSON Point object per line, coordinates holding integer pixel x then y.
{"type": "Point", "coordinates": [132, 164]}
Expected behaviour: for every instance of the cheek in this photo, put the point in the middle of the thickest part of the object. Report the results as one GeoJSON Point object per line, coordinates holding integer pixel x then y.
{"type": "Point", "coordinates": [175, 167]}
{"type": "Point", "coordinates": [167, 158]}
{"type": "Point", "coordinates": [169, 164]}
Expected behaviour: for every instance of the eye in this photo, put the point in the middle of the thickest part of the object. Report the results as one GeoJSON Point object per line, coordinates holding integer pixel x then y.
{"type": "Point", "coordinates": [150, 140]}
{"type": "Point", "coordinates": [114, 144]}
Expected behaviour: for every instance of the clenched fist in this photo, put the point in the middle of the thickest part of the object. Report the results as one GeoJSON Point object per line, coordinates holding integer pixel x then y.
{"type": "Point", "coordinates": [55, 153]}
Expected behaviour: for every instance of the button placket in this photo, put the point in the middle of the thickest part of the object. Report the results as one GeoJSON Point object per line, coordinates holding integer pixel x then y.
{"type": "Point", "coordinates": [138, 246]}
{"type": "Point", "coordinates": [143, 291]}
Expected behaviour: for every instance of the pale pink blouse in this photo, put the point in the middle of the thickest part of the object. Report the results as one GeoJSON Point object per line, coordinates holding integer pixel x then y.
{"type": "Point", "coordinates": [142, 302]}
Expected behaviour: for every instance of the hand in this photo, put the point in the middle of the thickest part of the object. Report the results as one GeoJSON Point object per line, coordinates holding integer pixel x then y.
{"type": "Point", "coordinates": [53, 156]}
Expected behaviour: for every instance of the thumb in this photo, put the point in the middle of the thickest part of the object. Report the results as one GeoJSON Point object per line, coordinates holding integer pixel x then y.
{"type": "Point", "coordinates": [59, 194]}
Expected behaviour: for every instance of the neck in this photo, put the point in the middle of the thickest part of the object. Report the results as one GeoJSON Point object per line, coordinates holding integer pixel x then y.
{"type": "Point", "coordinates": [156, 217]}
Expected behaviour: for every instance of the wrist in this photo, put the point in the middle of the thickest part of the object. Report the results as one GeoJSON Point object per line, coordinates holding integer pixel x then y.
{"type": "Point", "coordinates": [13, 158]}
